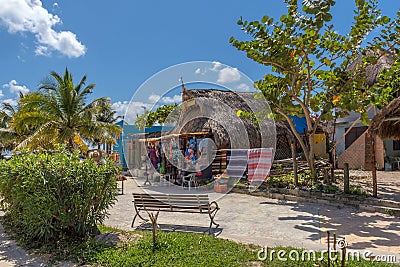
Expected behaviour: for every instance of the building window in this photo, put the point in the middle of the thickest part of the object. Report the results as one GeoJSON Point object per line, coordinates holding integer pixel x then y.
{"type": "Point", "coordinates": [353, 135]}
{"type": "Point", "coordinates": [396, 144]}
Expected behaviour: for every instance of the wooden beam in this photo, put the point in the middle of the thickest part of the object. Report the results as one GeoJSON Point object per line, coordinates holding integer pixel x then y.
{"type": "Point", "coordinates": [392, 119]}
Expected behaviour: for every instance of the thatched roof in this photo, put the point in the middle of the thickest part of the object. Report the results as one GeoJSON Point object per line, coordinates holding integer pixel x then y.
{"type": "Point", "coordinates": [372, 72]}
{"type": "Point", "coordinates": [216, 111]}
{"type": "Point", "coordinates": [386, 124]}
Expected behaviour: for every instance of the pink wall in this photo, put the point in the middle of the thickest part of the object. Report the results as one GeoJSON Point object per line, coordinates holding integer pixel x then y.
{"type": "Point", "coordinates": [355, 154]}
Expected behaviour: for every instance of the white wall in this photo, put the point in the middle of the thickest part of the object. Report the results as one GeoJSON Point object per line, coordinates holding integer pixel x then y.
{"type": "Point", "coordinates": [339, 132]}
{"type": "Point", "coordinates": [389, 149]}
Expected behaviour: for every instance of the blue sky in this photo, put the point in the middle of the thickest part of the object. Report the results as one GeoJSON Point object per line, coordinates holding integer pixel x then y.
{"type": "Point", "coordinates": [120, 44]}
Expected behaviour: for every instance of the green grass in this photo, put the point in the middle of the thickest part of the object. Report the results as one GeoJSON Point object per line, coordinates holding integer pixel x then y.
{"type": "Point", "coordinates": [175, 249]}
{"type": "Point", "coordinates": [189, 249]}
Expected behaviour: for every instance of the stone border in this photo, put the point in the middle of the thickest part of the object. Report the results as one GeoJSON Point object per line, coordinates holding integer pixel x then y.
{"type": "Point", "coordinates": [368, 204]}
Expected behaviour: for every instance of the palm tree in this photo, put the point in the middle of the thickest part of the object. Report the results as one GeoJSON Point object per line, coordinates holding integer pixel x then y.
{"type": "Point", "coordinates": [59, 113]}
{"type": "Point", "coordinates": [106, 114]}
{"type": "Point", "coordinates": [9, 136]}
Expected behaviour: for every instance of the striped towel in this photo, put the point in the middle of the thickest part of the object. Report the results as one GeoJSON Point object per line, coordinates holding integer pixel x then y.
{"type": "Point", "coordinates": [259, 163]}
{"type": "Point", "coordinates": [237, 162]}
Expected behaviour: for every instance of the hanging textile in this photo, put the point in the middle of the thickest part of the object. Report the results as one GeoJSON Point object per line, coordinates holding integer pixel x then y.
{"type": "Point", "coordinates": [237, 162]}
{"type": "Point", "coordinates": [151, 152]}
{"type": "Point", "coordinates": [259, 163]}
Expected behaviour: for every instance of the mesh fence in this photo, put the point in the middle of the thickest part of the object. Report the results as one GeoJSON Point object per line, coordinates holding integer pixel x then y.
{"type": "Point", "coordinates": [360, 157]}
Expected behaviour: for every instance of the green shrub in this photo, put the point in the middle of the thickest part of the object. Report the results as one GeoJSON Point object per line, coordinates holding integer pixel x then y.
{"type": "Point", "coordinates": [357, 190]}
{"type": "Point", "coordinates": [54, 196]}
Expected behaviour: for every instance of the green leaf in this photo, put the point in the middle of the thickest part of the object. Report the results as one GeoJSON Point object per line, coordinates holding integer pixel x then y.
{"type": "Point", "coordinates": [385, 20]}
{"type": "Point", "coordinates": [326, 61]}
{"type": "Point", "coordinates": [327, 17]}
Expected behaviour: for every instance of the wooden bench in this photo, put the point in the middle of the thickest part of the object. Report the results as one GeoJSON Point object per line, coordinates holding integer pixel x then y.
{"type": "Point", "coordinates": [186, 203]}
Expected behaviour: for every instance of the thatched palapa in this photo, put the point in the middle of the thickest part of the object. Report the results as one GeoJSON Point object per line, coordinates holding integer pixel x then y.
{"type": "Point", "coordinates": [216, 111]}
{"type": "Point", "coordinates": [386, 124]}
{"type": "Point", "coordinates": [372, 71]}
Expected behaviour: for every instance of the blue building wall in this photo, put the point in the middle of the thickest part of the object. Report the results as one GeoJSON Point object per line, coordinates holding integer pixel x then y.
{"type": "Point", "coordinates": [300, 123]}
{"type": "Point", "coordinates": [129, 130]}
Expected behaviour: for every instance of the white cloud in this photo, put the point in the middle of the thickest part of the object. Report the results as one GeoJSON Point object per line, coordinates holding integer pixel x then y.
{"type": "Point", "coordinates": [225, 74]}
{"type": "Point", "coordinates": [133, 109]}
{"type": "Point", "coordinates": [172, 100]}
{"type": "Point", "coordinates": [120, 107]}
{"type": "Point", "coordinates": [243, 87]}
{"type": "Point", "coordinates": [130, 110]}
{"type": "Point", "coordinates": [153, 98]}
{"type": "Point", "coordinates": [216, 66]}
{"type": "Point", "coordinates": [199, 71]}
{"type": "Point", "coordinates": [228, 75]}
{"type": "Point", "coordinates": [1, 93]}
{"type": "Point", "coordinates": [30, 16]}
{"type": "Point", "coordinates": [15, 88]}
{"type": "Point", "coordinates": [12, 102]}
{"type": "Point", "coordinates": [42, 51]}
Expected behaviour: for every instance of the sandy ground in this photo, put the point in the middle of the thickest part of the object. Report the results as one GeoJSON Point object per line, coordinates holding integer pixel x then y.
{"type": "Point", "coordinates": [269, 222]}
{"type": "Point", "coordinates": [257, 220]}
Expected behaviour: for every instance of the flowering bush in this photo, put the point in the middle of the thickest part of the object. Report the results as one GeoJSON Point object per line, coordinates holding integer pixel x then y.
{"type": "Point", "coordinates": [221, 178]}
{"type": "Point", "coordinates": [52, 196]}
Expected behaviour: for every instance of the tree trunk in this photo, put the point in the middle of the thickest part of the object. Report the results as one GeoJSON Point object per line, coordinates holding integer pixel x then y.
{"type": "Point", "coordinates": [296, 178]}
{"type": "Point", "coordinates": [71, 144]}
{"type": "Point", "coordinates": [308, 152]}
{"type": "Point", "coordinates": [311, 161]}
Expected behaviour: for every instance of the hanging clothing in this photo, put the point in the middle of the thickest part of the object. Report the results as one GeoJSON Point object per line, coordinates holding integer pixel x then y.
{"type": "Point", "coordinates": [237, 162]}
{"type": "Point", "coordinates": [175, 151]}
{"type": "Point", "coordinates": [153, 156]}
{"type": "Point", "coordinates": [259, 163]}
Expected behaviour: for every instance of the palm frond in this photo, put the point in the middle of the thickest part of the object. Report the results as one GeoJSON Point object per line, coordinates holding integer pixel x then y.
{"type": "Point", "coordinates": [43, 132]}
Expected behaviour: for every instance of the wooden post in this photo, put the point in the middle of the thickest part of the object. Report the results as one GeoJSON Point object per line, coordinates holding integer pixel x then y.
{"type": "Point", "coordinates": [374, 179]}
{"type": "Point", "coordinates": [153, 218]}
{"type": "Point", "coordinates": [370, 161]}
{"type": "Point", "coordinates": [374, 183]}
{"type": "Point", "coordinates": [326, 176]}
{"type": "Point", "coordinates": [333, 177]}
{"type": "Point", "coordinates": [329, 254]}
{"type": "Point", "coordinates": [334, 246]}
{"type": "Point", "coordinates": [343, 256]}
{"type": "Point", "coordinates": [346, 178]}
{"type": "Point", "coordinates": [334, 241]}
{"type": "Point", "coordinates": [296, 178]}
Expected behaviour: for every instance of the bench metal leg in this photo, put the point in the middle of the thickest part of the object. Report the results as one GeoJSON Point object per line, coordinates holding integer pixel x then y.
{"type": "Point", "coordinates": [212, 216]}
{"type": "Point", "coordinates": [137, 215]}
{"type": "Point", "coordinates": [134, 218]}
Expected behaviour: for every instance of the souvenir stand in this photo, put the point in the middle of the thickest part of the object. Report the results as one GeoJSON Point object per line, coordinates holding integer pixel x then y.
{"type": "Point", "coordinates": [172, 155]}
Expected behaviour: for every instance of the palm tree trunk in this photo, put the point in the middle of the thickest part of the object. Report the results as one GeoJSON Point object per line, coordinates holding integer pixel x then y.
{"type": "Point", "coordinates": [71, 144]}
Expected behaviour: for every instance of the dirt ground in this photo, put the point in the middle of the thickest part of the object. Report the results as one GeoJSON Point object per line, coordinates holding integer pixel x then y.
{"type": "Point", "coordinates": [388, 183]}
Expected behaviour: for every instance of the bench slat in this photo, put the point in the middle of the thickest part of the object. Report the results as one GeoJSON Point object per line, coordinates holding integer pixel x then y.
{"type": "Point", "coordinates": [175, 203]}
{"type": "Point", "coordinates": [174, 200]}
{"type": "Point", "coordinates": [198, 199]}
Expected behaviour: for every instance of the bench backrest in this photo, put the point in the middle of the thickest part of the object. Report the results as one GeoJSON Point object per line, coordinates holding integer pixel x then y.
{"type": "Point", "coordinates": [171, 201]}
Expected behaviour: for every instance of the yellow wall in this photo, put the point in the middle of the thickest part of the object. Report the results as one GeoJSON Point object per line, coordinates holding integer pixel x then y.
{"type": "Point", "coordinates": [320, 145]}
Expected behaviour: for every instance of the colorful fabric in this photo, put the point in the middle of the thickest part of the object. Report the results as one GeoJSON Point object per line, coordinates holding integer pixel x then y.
{"type": "Point", "coordinates": [237, 162]}
{"type": "Point", "coordinates": [259, 163]}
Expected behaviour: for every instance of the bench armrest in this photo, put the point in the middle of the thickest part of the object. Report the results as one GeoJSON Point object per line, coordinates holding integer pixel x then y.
{"type": "Point", "coordinates": [215, 204]}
